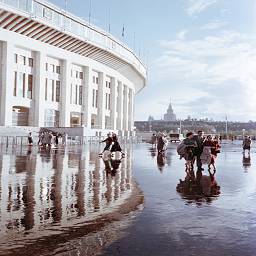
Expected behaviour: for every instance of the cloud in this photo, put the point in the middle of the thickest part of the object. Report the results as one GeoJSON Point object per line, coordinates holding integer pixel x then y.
{"type": "Point", "coordinates": [211, 76]}
{"type": "Point", "coordinates": [213, 25]}
{"type": "Point", "coordinates": [197, 6]}
{"type": "Point", "coordinates": [182, 34]}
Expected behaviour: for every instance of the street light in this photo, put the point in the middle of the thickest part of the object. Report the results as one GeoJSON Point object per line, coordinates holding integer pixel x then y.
{"type": "Point", "coordinates": [243, 132]}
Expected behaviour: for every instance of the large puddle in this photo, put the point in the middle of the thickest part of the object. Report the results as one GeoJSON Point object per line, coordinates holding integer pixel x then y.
{"type": "Point", "coordinates": [49, 197]}
{"type": "Point", "coordinates": [181, 221]}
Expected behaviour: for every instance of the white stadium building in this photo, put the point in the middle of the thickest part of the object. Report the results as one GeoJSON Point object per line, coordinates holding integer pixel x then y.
{"type": "Point", "coordinates": [59, 71]}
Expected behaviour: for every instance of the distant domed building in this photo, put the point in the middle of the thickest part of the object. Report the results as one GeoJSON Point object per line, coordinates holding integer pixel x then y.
{"type": "Point", "coordinates": [170, 116]}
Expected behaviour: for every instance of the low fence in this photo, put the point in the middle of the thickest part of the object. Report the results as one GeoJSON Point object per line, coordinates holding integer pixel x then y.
{"type": "Point", "coordinates": [71, 140]}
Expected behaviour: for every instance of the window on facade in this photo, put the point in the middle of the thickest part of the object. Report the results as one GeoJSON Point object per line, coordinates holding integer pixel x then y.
{"type": "Point", "coordinates": [94, 79]}
{"type": "Point", "coordinates": [45, 92]}
{"type": "Point", "coordinates": [30, 86]}
{"type": "Point", "coordinates": [15, 58]}
{"type": "Point", "coordinates": [96, 98]}
{"type": "Point", "coordinates": [76, 93]}
{"type": "Point", "coordinates": [52, 82]}
{"type": "Point", "coordinates": [108, 101]}
{"type": "Point", "coordinates": [52, 68]}
{"type": "Point", "coordinates": [93, 97]}
{"type": "Point", "coordinates": [97, 80]}
{"type": "Point", "coordinates": [58, 69]}
{"type": "Point", "coordinates": [80, 95]}
{"type": "Point", "coordinates": [71, 97]}
{"type": "Point", "coordinates": [46, 66]}
{"type": "Point", "coordinates": [15, 84]}
{"type": "Point", "coordinates": [108, 84]}
{"type": "Point", "coordinates": [77, 74]}
{"type": "Point", "coordinates": [81, 75]}
{"type": "Point", "coordinates": [30, 62]}
{"type": "Point", "coordinates": [23, 60]}
{"type": "Point", "coordinates": [24, 85]}
{"type": "Point", "coordinates": [57, 91]}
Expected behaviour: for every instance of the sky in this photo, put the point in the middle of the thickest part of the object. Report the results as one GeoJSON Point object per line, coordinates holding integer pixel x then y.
{"type": "Point", "coordinates": [201, 54]}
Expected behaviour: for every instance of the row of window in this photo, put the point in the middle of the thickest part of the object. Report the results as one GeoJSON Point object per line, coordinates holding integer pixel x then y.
{"type": "Point", "coordinates": [77, 74]}
{"type": "Point", "coordinates": [23, 60]}
{"type": "Point", "coordinates": [23, 85]}
{"type": "Point", "coordinates": [52, 90]}
{"type": "Point", "coordinates": [76, 94]}
{"type": "Point", "coordinates": [95, 80]}
{"type": "Point", "coordinates": [52, 68]}
{"type": "Point", "coordinates": [95, 98]}
{"type": "Point", "coordinates": [108, 84]}
{"type": "Point", "coordinates": [107, 105]}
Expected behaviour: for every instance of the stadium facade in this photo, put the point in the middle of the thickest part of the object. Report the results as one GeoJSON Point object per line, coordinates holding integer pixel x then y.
{"type": "Point", "coordinates": [59, 71]}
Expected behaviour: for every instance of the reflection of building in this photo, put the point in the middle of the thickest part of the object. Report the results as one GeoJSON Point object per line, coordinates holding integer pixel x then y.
{"type": "Point", "coordinates": [59, 71]}
{"type": "Point", "coordinates": [170, 116]}
{"type": "Point", "coordinates": [40, 189]}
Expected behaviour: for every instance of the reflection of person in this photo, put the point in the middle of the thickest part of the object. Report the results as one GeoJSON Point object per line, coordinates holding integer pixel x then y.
{"type": "Point", "coordinates": [161, 162]}
{"type": "Point", "coordinates": [246, 161]}
{"type": "Point", "coordinates": [204, 186]}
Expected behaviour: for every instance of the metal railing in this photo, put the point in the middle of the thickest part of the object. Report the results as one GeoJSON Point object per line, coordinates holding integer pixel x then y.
{"type": "Point", "coordinates": [71, 140]}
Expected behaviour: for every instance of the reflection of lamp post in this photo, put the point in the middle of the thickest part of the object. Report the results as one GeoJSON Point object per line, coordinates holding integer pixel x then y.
{"type": "Point", "coordinates": [243, 132]}
{"type": "Point", "coordinates": [180, 127]}
{"type": "Point", "coordinates": [179, 131]}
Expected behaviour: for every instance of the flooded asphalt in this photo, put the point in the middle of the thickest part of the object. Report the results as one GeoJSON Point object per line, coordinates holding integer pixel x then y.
{"type": "Point", "coordinates": [70, 202]}
{"type": "Point", "coordinates": [173, 224]}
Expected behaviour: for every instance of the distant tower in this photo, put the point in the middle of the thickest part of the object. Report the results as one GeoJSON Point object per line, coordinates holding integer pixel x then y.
{"type": "Point", "coordinates": [170, 116]}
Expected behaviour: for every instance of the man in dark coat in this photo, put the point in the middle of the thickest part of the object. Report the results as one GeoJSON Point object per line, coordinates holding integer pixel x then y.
{"type": "Point", "coordinates": [108, 142]}
{"type": "Point", "coordinates": [199, 139]}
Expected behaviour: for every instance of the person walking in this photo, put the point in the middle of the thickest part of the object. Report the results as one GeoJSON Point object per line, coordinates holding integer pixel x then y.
{"type": "Point", "coordinates": [199, 139]}
{"type": "Point", "coordinates": [108, 142]}
{"type": "Point", "coordinates": [30, 139]}
{"type": "Point", "coordinates": [247, 144]}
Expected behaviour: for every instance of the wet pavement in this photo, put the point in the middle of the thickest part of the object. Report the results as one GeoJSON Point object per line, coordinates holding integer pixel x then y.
{"type": "Point", "coordinates": [173, 224]}
{"type": "Point", "coordinates": [70, 202]}
{"type": "Point", "coordinates": [50, 197]}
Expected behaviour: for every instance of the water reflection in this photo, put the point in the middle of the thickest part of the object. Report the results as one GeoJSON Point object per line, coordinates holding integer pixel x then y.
{"type": "Point", "coordinates": [40, 188]}
{"type": "Point", "coordinates": [246, 161]}
{"type": "Point", "coordinates": [200, 187]}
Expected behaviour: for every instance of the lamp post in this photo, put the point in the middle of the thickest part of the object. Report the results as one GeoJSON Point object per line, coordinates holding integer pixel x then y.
{"type": "Point", "coordinates": [243, 132]}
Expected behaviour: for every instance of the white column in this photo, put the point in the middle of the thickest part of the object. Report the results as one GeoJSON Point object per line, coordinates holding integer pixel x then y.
{"type": "Point", "coordinates": [87, 96]}
{"type": "Point", "coordinates": [113, 102]}
{"type": "Point", "coordinates": [131, 110]}
{"type": "Point", "coordinates": [39, 89]}
{"type": "Point", "coordinates": [65, 95]}
{"type": "Point", "coordinates": [125, 114]}
{"type": "Point", "coordinates": [120, 106]}
{"type": "Point", "coordinates": [102, 101]}
{"type": "Point", "coordinates": [7, 83]}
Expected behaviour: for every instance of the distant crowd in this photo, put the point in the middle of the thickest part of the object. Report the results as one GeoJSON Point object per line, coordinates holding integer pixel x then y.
{"type": "Point", "coordinates": [48, 139]}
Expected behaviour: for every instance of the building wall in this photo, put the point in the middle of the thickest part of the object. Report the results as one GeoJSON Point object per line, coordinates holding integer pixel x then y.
{"type": "Point", "coordinates": [42, 85]}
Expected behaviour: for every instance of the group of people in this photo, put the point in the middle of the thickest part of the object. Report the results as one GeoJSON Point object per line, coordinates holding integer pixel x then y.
{"type": "Point", "coordinates": [112, 143]}
{"type": "Point", "coordinates": [48, 139]}
{"type": "Point", "coordinates": [199, 148]}
{"type": "Point", "coordinates": [160, 141]}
